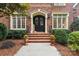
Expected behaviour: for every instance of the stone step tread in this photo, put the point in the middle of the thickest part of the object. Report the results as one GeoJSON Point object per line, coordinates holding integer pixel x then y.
{"type": "Point", "coordinates": [38, 40]}
{"type": "Point", "coordinates": [38, 34]}
{"type": "Point", "coordinates": [38, 37]}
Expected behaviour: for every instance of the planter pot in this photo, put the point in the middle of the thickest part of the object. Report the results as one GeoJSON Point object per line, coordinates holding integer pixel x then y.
{"type": "Point", "coordinates": [25, 41]}
{"type": "Point", "coordinates": [52, 42]}
{"type": "Point", "coordinates": [52, 38]}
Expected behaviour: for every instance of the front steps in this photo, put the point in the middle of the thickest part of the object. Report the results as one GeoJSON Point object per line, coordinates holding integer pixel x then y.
{"type": "Point", "coordinates": [39, 38]}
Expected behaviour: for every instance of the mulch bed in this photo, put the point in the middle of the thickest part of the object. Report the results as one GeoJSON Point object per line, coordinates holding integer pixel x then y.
{"type": "Point", "coordinates": [13, 50]}
{"type": "Point", "coordinates": [65, 51]}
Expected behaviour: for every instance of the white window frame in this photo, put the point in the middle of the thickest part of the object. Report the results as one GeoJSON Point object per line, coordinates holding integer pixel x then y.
{"type": "Point", "coordinates": [61, 21]}
{"type": "Point", "coordinates": [11, 23]}
{"type": "Point", "coordinates": [59, 4]}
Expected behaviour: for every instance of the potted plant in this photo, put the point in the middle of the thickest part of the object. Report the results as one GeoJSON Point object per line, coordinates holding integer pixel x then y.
{"type": "Point", "coordinates": [52, 38]}
{"type": "Point", "coordinates": [25, 39]}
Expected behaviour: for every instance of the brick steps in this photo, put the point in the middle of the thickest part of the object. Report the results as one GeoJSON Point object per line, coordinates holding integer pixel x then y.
{"type": "Point", "coordinates": [38, 41]}
{"type": "Point", "coordinates": [38, 38]}
{"type": "Point", "coordinates": [38, 35]}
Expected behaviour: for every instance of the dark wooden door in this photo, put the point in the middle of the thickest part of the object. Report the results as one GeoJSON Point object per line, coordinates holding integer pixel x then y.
{"type": "Point", "coordinates": [39, 23]}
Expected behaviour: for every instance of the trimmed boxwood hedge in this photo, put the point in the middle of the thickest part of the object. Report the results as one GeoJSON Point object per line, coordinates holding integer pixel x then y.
{"type": "Point", "coordinates": [3, 31]}
{"type": "Point", "coordinates": [16, 34]}
{"type": "Point", "coordinates": [73, 41]}
{"type": "Point", "coordinates": [61, 35]}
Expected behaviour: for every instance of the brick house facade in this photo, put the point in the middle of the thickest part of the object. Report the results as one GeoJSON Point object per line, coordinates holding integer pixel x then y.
{"type": "Point", "coordinates": [42, 17]}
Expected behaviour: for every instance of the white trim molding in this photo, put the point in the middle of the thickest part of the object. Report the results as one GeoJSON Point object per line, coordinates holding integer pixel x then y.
{"type": "Point", "coordinates": [61, 20]}
{"type": "Point", "coordinates": [11, 23]}
{"type": "Point", "coordinates": [59, 4]}
{"type": "Point", "coordinates": [32, 14]}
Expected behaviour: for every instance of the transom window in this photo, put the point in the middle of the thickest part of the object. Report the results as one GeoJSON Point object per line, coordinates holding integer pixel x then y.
{"type": "Point", "coordinates": [59, 4]}
{"type": "Point", "coordinates": [60, 21]}
{"type": "Point", "coordinates": [18, 22]}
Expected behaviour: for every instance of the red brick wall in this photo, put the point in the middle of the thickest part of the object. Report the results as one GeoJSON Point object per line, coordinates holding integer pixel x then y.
{"type": "Point", "coordinates": [77, 10]}
{"type": "Point", "coordinates": [5, 20]}
{"type": "Point", "coordinates": [49, 9]}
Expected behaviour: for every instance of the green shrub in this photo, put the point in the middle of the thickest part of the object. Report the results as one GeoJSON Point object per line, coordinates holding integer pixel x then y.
{"type": "Point", "coordinates": [75, 25]}
{"type": "Point", "coordinates": [73, 41]}
{"type": "Point", "coordinates": [17, 34]}
{"type": "Point", "coordinates": [3, 31]}
{"type": "Point", "coordinates": [61, 35]}
{"type": "Point", "coordinates": [10, 34]}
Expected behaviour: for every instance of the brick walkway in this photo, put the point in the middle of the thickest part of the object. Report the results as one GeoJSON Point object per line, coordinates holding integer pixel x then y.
{"type": "Point", "coordinates": [38, 49]}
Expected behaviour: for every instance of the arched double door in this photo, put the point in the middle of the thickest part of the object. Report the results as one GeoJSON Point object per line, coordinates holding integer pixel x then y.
{"type": "Point", "coordinates": [39, 23]}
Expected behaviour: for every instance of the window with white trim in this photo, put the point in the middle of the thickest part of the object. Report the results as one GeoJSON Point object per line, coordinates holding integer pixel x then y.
{"type": "Point", "coordinates": [60, 21]}
{"type": "Point", "coordinates": [59, 4]}
{"type": "Point", "coordinates": [18, 22]}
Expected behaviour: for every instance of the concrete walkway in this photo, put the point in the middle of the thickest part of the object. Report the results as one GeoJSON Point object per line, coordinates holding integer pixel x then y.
{"type": "Point", "coordinates": [38, 49]}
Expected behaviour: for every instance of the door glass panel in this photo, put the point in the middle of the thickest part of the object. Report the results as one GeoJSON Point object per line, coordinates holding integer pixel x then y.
{"type": "Point", "coordinates": [36, 20]}
{"type": "Point", "coordinates": [41, 21]}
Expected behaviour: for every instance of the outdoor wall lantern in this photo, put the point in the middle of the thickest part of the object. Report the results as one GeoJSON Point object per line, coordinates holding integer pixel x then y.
{"type": "Point", "coordinates": [49, 15]}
